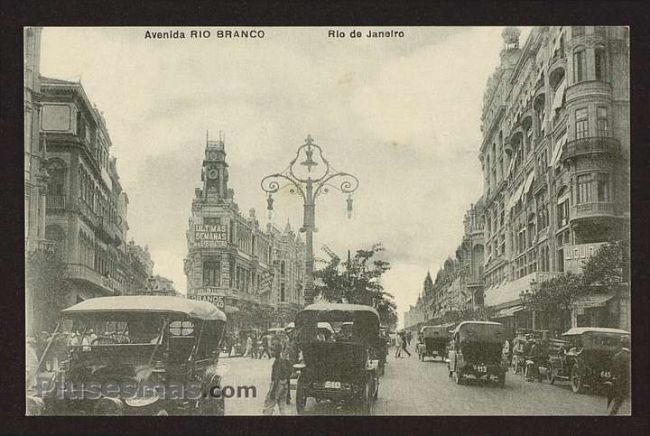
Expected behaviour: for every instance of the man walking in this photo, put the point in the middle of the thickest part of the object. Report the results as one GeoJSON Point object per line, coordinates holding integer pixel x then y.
{"type": "Point", "coordinates": [249, 346]}
{"type": "Point", "coordinates": [398, 346]}
{"type": "Point", "coordinates": [405, 343]}
{"type": "Point", "coordinates": [280, 374]}
{"type": "Point", "coordinates": [619, 387]}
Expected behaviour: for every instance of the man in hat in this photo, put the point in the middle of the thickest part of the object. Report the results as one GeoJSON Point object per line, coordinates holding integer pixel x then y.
{"type": "Point", "coordinates": [620, 384]}
{"type": "Point", "coordinates": [280, 373]}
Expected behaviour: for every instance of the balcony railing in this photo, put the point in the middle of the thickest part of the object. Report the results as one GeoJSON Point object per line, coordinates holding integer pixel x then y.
{"type": "Point", "coordinates": [586, 210]}
{"type": "Point", "coordinates": [55, 203]}
{"type": "Point", "coordinates": [590, 145]}
{"type": "Point", "coordinates": [77, 271]}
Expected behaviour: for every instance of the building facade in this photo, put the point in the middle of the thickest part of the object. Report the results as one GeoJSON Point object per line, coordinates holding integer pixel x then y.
{"type": "Point", "coordinates": [555, 160]}
{"type": "Point", "coordinates": [159, 285]}
{"type": "Point", "coordinates": [254, 274]}
{"type": "Point", "coordinates": [85, 213]}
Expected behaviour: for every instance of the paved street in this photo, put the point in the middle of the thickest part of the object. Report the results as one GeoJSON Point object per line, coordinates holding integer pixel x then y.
{"type": "Point", "coordinates": [411, 387]}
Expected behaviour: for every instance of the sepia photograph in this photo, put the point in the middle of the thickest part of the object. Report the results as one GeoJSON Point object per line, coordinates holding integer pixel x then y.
{"type": "Point", "coordinates": [330, 221]}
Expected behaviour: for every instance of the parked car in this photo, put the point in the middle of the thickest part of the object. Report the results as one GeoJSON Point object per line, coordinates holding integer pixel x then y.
{"type": "Point", "coordinates": [476, 351]}
{"type": "Point", "coordinates": [585, 359]}
{"type": "Point", "coordinates": [343, 369]}
{"type": "Point", "coordinates": [144, 355]}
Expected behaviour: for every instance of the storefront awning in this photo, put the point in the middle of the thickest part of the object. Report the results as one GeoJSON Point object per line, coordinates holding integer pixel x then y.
{"type": "Point", "coordinates": [593, 300]}
{"type": "Point", "coordinates": [514, 198]}
{"type": "Point", "coordinates": [510, 311]}
{"type": "Point", "coordinates": [508, 292]}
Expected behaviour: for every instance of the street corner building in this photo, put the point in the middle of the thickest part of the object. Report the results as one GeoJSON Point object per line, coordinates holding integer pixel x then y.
{"type": "Point", "coordinates": [255, 275]}
{"type": "Point", "coordinates": [555, 158]}
{"type": "Point", "coordinates": [76, 229]}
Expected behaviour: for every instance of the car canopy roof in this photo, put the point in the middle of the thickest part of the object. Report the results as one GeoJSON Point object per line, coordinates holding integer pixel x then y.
{"type": "Point", "coordinates": [146, 304]}
{"type": "Point", "coordinates": [365, 318]}
{"type": "Point", "coordinates": [434, 330]}
{"type": "Point", "coordinates": [483, 331]}
{"type": "Point", "coordinates": [582, 330]}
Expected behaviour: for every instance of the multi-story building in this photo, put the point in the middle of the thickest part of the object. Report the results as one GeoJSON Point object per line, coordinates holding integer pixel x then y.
{"type": "Point", "coordinates": [35, 156]}
{"type": "Point", "coordinates": [458, 284]}
{"type": "Point", "coordinates": [232, 261]}
{"type": "Point", "coordinates": [555, 158]}
{"type": "Point", "coordinates": [86, 206]}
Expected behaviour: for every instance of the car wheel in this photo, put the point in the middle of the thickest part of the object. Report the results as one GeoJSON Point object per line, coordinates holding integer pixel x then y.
{"type": "Point", "coordinates": [502, 380]}
{"type": "Point", "coordinates": [301, 397]}
{"type": "Point", "coordinates": [576, 381]}
{"type": "Point", "coordinates": [458, 377]}
{"type": "Point", "coordinates": [551, 374]}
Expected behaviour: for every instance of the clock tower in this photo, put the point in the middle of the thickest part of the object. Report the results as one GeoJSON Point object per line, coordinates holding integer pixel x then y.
{"type": "Point", "coordinates": [214, 174]}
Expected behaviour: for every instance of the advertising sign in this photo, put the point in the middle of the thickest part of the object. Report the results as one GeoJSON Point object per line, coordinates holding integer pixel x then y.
{"type": "Point", "coordinates": [210, 235]}
{"type": "Point", "coordinates": [214, 299]}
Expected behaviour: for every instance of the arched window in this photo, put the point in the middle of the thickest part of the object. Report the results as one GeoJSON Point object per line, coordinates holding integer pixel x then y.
{"type": "Point", "coordinates": [579, 64]}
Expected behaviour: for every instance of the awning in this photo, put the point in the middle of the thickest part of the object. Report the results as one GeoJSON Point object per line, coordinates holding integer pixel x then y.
{"type": "Point", "coordinates": [512, 164]}
{"type": "Point", "coordinates": [515, 196]}
{"type": "Point", "coordinates": [593, 300]}
{"type": "Point", "coordinates": [557, 151]}
{"type": "Point", "coordinates": [510, 311]}
{"type": "Point", "coordinates": [559, 96]}
{"type": "Point", "coordinates": [529, 182]}
{"type": "Point", "coordinates": [508, 292]}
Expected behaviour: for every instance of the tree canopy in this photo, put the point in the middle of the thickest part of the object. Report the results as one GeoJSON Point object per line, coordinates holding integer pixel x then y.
{"type": "Point", "coordinates": [358, 281]}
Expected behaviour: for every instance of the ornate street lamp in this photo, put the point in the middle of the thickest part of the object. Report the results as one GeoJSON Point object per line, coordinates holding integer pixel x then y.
{"type": "Point", "coordinates": [320, 177]}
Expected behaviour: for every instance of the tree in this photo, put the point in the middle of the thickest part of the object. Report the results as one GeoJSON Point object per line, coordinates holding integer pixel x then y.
{"type": "Point", "coordinates": [358, 281]}
{"type": "Point", "coordinates": [609, 266]}
{"type": "Point", "coordinates": [558, 293]}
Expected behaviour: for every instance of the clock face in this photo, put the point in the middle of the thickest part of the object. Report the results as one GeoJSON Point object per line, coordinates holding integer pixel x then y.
{"type": "Point", "coordinates": [212, 174]}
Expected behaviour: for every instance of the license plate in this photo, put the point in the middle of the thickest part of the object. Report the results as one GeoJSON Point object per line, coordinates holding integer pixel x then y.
{"type": "Point", "coordinates": [333, 384]}
{"type": "Point", "coordinates": [605, 374]}
{"type": "Point", "coordinates": [480, 368]}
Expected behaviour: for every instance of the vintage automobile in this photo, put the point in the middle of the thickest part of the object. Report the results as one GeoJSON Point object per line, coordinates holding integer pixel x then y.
{"type": "Point", "coordinates": [476, 350]}
{"type": "Point", "coordinates": [434, 342]}
{"type": "Point", "coordinates": [140, 355]}
{"type": "Point", "coordinates": [586, 357]}
{"type": "Point", "coordinates": [343, 369]}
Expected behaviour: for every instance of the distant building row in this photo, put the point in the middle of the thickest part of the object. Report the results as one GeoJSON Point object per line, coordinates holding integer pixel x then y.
{"type": "Point", "coordinates": [555, 160]}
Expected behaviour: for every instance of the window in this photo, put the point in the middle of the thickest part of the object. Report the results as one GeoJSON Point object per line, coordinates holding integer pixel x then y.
{"type": "Point", "coordinates": [603, 187]}
{"type": "Point", "coordinates": [563, 213]}
{"type": "Point", "coordinates": [56, 183]}
{"type": "Point", "coordinates": [582, 123]}
{"type": "Point", "coordinates": [602, 123]}
{"type": "Point", "coordinates": [579, 65]}
{"type": "Point", "coordinates": [282, 293]}
{"type": "Point", "coordinates": [211, 273]}
{"type": "Point", "coordinates": [584, 189]}
{"type": "Point", "coordinates": [212, 221]}
{"type": "Point", "coordinates": [599, 60]}
{"type": "Point", "coordinates": [577, 31]}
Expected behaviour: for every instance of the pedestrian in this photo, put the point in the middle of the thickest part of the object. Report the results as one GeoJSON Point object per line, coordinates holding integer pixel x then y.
{"type": "Point", "coordinates": [404, 343]}
{"type": "Point", "coordinates": [408, 338]}
{"type": "Point", "coordinates": [619, 386]}
{"type": "Point", "coordinates": [398, 346]}
{"type": "Point", "coordinates": [280, 374]}
{"type": "Point", "coordinates": [249, 346]}
{"type": "Point", "coordinates": [506, 351]}
{"type": "Point", "coordinates": [266, 343]}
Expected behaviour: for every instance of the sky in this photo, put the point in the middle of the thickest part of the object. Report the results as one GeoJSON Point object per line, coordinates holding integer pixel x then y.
{"type": "Point", "coordinates": [401, 114]}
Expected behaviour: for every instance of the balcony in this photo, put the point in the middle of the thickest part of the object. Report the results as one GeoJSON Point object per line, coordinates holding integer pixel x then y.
{"type": "Point", "coordinates": [591, 210]}
{"type": "Point", "coordinates": [588, 88]}
{"type": "Point", "coordinates": [55, 203]}
{"type": "Point", "coordinates": [592, 145]}
{"type": "Point", "coordinates": [474, 282]}
{"type": "Point", "coordinates": [84, 273]}
{"type": "Point", "coordinates": [46, 246]}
